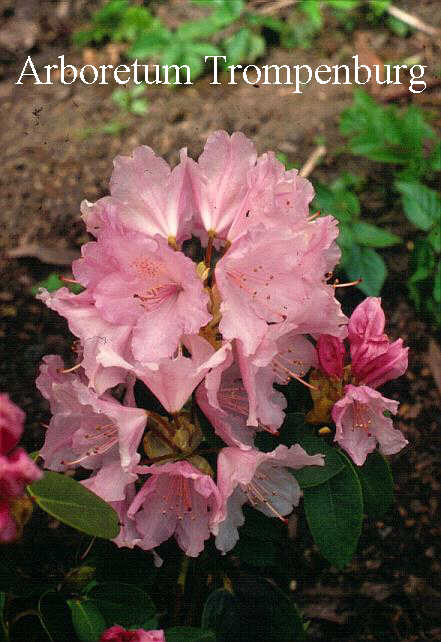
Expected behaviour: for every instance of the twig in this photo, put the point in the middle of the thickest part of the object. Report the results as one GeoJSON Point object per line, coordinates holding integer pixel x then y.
{"type": "Point", "coordinates": [275, 7]}
{"type": "Point", "coordinates": [412, 21]}
{"type": "Point", "coordinates": [312, 161]}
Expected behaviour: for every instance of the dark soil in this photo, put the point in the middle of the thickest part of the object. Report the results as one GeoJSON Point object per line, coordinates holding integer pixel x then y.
{"type": "Point", "coordinates": [54, 154]}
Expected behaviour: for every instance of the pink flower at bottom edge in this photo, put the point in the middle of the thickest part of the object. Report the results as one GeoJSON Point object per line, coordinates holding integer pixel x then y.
{"type": "Point", "coordinates": [361, 423]}
{"type": "Point", "coordinates": [118, 634]}
{"type": "Point", "coordinates": [177, 499]}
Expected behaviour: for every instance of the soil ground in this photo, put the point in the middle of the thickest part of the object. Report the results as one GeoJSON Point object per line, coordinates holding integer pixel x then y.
{"type": "Point", "coordinates": [54, 154]}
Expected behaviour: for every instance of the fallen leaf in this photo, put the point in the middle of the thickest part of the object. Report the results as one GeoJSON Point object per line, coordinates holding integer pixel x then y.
{"type": "Point", "coordinates": [50, 255]}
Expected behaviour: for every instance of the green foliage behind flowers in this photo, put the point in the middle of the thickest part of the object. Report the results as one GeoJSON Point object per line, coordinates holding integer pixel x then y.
{"type": "Point", "coordinates": [404, 140]}
{"type": "Point", "coordinates": [230, 28]}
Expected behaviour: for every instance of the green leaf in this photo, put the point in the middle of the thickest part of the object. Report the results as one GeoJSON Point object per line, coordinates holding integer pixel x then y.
{"type": "Point", "coordinates": [378, 7]}
{"type": "Point", "coordinates": [243, 46]}
{"type": "Point", "coordinates": [422, 205]}
{"type": "Point", "coordinates": [220, 614]}
{"type": "Point", "coordinates": [151, 44]}
{"type": "Point", "coordinates": [437, 284]}
{"type": "Point", "coordinates": [124, 604]}
{"type": "Point", "coordinates": [422, 261]}
{"type": "Point", "coordinates": [197, 30]}
{"type": "Point", "coordinates": [377, 485]}
{"type": "Point", "coordinates": [435, 157]}
{"type": "Point", "coordinates": [53, 283]}
{"type": "Point", "coordinates": [364, 262]}
{"type": "Point", "coordinates": [373, 236]}
{"type": "Point", "coordinates": [86, 619]}
{"type": "Point", "coordinates": [71, 503]}
{"type": "Point", "coordinates": [306, 436]}
{"type": "Point", "coordinates": [338, 201]}
{"type": "Point", "coordinates": [434, 238]}
{"type": "Point", "coordinates": [189, 634]}
{"type": "Point", "coordinates": [334, 511]}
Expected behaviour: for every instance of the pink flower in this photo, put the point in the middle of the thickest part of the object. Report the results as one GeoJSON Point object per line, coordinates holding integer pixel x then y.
{"type": "Point", "coordinates": [261, 479]}
{"type": "Point", "coordinates": [361, 423]}
{"type": "Point", "coordinates": [140, 282]}
{"type": "Point", "coordinates": [146, 196]}
{"type": "Point", "coordinates": [118, 634]}
{"type": "Point", "coordinates": [177, 499]}
{"type": "Point", "coordinates": [96, 335]}
{"type": "Point", "coordinates": [173, 380]}
{"type": "Point", "coordinates": [87, 430]}
{"type": "Point", "coordinates": [17, 470]}
{"type": "Point", "coordinates": [219, 181]}
{"type": "Point", "coordinates": [223, 400]}
{"type": "Point", "coordinates": [331, 354]}
{"type": "Point", "coordinates": [276, 198]}
{"type": "Point", "coordinates": [374, 359]}
{"type": "Point", "coordinates": [269, 276]}
{"type": "Point", "coordinates": [11, 423]}
{"type": "Point", "coordinates": [282, 355]}
{"type": "Point", "coordinates": [388, 365]}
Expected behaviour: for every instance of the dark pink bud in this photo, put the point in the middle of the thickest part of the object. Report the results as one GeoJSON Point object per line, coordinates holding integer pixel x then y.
{"type": "Point", "coordinates": [11, 424]}
{"type": "Point", "coordinates": [331, 355]}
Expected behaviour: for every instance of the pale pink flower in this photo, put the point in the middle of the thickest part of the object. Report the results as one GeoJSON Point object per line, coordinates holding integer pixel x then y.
{"type": "Point", "coordinates": [97, 433]}
{"type": "Point", "coordinates": [366, 331]}
{"type": "Point", "coordinates": [276, 197]}
{"type": "Point", "coordinates": [146, 196]}
{"type": "Point", "coordinates": [219, 181]}
{"type": "Point", "coordinates": [177, 499]}
{"type": "Point", "coordinates": [331, 354]}
{"type": "Point", "coordinates": [118, 634]}
{"type": "Point", "coordinates": [96, 335]}
{"type": "Point", "coordinates": [173, 380]}
{"type": "Point", "coordinates": [140, 282]}
{"type": "Point", "coordinates": [361, 423]}
{"type": "Point", "coordinates": [282, 355]}
{"type": "Point", "coordinates": [17, 470]}
{"type": "Point", "coordinates": [223, 400]}
{"type": "Point", "coordinates": [261, 479]}
{"type": "Point", "coordinates": [269, 276]}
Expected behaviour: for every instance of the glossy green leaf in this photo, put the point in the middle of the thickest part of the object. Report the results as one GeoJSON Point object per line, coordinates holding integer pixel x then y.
{"type": "Point", "coordinates": [422, 205]}
{"type": "Point", "coordinates": [334, 511]}
{"type": "Point", "coordinates": [365, 263]}
{"type": "Point", "coordinates": [189, 634]}
{"type": "Point", "coordinates": [377, 485]}
{"type": "Point", "coordinates": [220, 614]}
{"type": "Point", "coordinates": [125, 604]}
{"type": "Point", "coordinates": [86, 619]}
{"type": "Point", "coordinates": [71, 503]}
{"type": "Point", "coordinates": [373, 236]}
{"type": "Point", "coordinates": [306, 436]}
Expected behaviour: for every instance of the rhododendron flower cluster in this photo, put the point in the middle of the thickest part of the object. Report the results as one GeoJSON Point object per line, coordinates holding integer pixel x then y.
{"type": "Point", "coordinates": [207, 284]}
{"type": "Point", "coordinates": [17, 470]}
{"type": "Point", "coordinates": [360, 415]}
